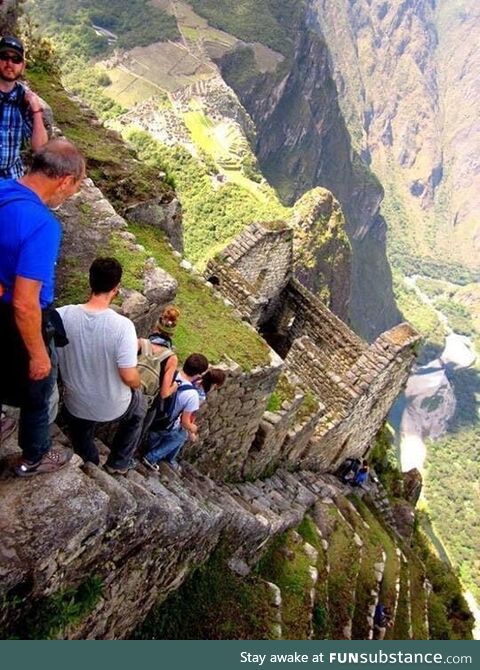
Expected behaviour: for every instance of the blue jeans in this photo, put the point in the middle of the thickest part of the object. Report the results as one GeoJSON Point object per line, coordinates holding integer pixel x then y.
{"type": "Point", "coordinates": [18, 390]}
{"type": "Point", "coordinates": [165, 445]}
{"type": "Point", "coordinates": [33, 427]}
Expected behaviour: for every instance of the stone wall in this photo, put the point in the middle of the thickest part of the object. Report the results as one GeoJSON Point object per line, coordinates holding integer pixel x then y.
{"type": "Point", "coordinates": [230, 420]}
{"type": "Point", "coordinates": [235, 289]}
{"type": "Point", "coordinates": [303, 314]}
{"type": "Point", "coordinates": [355, 384]}
{"type": "Point", "coordinates": [266, 450]}
{"type": "Point", "coordinates": [373, 382]}
{"type": "Point", "coordinates": [257, 264]}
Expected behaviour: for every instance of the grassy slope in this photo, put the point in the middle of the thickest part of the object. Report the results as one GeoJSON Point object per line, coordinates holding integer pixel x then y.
{"type": "Point", "coordinates": [213, 604]}
{"type": "Point", "coordinates": [344, 561]}
{"type": "Point", "coordinates": [207, 325]}
{"type": "Point", "coordinates": [212, 216]}
{"type": "Point", "coordinates": [321, 619]}
{"type": "Point", "coordinates": [287, 566]}
{"type": "Point", "coordinates": [111, 164]}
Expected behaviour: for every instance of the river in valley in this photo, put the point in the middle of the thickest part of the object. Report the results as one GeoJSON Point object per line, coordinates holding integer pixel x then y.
{"type": "Point", "coordinates": [428, 404]}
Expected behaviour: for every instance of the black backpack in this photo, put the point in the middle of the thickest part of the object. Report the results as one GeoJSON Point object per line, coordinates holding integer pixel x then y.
{"type": "Point", "coordinates": [164, 416]}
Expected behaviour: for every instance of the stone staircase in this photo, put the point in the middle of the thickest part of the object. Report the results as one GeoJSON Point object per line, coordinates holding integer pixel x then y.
{"type": "Point", "coordinates": [145, 527]}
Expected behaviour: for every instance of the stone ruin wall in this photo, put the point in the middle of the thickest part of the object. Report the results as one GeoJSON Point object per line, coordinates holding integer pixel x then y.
{"type": "Point", "coordinates": [355, 384]}
{"type": "Point", "coordinates": [253, 269]}
{"type": "Point", "coordinates": [338, 345]}
{"type": "Point", "coordinates": [230, 420]}
{"type": "Point", "coordinates": [349, 427]}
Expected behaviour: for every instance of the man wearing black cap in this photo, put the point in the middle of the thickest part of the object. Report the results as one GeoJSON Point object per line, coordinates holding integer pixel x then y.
{"type": "Point", "coordinates": [20, 110]}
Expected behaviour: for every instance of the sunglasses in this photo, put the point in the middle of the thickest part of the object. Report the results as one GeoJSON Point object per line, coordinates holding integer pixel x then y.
{"type": "Point", "coordinates": [15, 58]}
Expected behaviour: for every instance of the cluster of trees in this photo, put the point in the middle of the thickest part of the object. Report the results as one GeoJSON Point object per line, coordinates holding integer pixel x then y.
{"type": "Point", "coordinates": [135, 22]}
{"type": "Point", "coordinates": [270, 22]}
{"type": "Point", "coordinates": [453, 473]}
{"type": "Point", "coordinates": [213, 213]}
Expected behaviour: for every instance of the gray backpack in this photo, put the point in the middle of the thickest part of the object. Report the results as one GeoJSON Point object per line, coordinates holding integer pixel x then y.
{"type": "Point", "coordinates": [151, 366]}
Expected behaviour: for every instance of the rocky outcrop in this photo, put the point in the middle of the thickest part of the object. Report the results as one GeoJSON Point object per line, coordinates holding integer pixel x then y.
{"type": "Point", "coordinates": [322, 253]}
{"type": "Point", "coordinates": [412, 486]}
{"type": "Point", "coordinates": [166, 216]}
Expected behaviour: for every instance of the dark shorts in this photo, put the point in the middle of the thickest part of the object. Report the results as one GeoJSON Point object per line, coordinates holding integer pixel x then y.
{"type": "Point", "coordinates": [13, 360]}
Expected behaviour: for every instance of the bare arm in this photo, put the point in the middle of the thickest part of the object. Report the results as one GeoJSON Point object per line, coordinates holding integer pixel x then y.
{"type": "Point", "coordinates": [188, 422]}
{"type": "Point", "coordinates": [130, 377]}
{"type": "Point", "coordinates": [168, 385]}
{"type": "Point", "coordinates": [39, 133]}
{"type": "Point", "coordinates": [28, 318]}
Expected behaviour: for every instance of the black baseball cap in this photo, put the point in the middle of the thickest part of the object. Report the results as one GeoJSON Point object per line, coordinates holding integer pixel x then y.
{"type": "Point", "coordinates": [10, 43]}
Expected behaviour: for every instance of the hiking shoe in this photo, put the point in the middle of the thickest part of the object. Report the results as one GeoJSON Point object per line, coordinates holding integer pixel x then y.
{"type": "Point", "coordinates": [53, 460]}
{"type": "Point", "coordinates": [121, 470]}
{"type": "Point", "coordinates": [7, 427]}
{"type": "Point", "coordinates": [152, 466]}
{"type": "Point", "coordinates": [174, 465]}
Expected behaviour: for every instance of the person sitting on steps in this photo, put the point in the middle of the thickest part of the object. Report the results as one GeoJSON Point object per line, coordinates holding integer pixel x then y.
{"type": "Point", "coordinates": [361, 478]}
{"type": "Point", "coordinates": [170, 431]}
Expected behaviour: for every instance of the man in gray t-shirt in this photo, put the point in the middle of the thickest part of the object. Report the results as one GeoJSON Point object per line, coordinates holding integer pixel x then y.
{"type": "Point", "coordinates": [99, 371]}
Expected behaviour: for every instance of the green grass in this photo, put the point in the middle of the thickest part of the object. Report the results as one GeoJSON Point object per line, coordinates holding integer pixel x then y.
{"type": "Point", "coordinates": [212, 216]}
{"type": "Point", "coordinates": [392, 567]}
{"type": "Point", "coordinates": [418, 596]}
{"type": "Point", "coordinates": [284, 392]}
{"type": "Point", "coordinates": [213, 604]}
{"type": "Point", "coordinates": [420, 315]}
{"type": "Point", "coordinates": [52, 617]}
{"type": "Point", "coordinates": [366, 582]}
{"type": "Point", "coordinates": [206, 325]}
{"type": "Point", "coordinates": [135, 22]}
{"type": "Point", "coordinates": [286, 565]}
{"type": "Point", "coordinates": [401, 628]}
{"type": "Point", "coordinates": [448, 612]}
{"type": "Point", "coordinates": [110, 163]}
{"type": "Point", "coordinates": [344, 561]}
{"type": "Point", "coordinates": [321, 616]}
{"type": "Point", "coordinates": [266, 21]}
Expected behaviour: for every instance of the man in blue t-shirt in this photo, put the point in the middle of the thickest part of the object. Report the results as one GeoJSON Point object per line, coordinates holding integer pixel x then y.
{"type": "Point", "coordinates": [29, 245]}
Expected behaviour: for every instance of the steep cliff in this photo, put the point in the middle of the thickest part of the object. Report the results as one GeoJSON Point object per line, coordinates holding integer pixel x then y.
{"type": "Point", "coordinates": [302, 141]}
{"type": "Point", "coordinates": [406, 73]}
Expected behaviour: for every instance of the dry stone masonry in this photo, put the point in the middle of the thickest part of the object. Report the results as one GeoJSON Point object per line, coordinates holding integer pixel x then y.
{"type": "Point", "coordinates": [354, 384]}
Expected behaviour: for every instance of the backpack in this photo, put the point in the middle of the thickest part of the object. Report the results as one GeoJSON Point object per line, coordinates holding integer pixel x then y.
{"type": "Point", "coordinates": [151, 367]}
{"type": "Point", "coordinates": [165, 417]}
